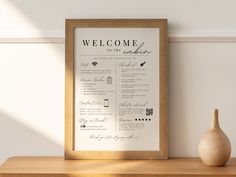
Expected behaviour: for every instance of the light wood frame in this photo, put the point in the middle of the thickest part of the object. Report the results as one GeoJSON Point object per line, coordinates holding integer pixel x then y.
{"type": "Point", "coordinates": [71, 24]}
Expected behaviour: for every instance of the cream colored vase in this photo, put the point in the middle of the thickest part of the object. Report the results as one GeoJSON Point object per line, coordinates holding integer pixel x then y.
{"type": "Point", "coordinates": [215, 147]}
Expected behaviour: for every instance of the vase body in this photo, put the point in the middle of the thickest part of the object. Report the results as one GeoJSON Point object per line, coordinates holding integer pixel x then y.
{"type": "Point", "coordinates": [215, 147]}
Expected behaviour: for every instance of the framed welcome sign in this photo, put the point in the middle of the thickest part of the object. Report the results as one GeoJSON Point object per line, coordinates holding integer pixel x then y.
{"type": "Point", "coordinates": [116, 89]}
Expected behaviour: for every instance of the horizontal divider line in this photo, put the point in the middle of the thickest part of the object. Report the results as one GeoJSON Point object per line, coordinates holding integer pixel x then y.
{"type": "Point", "coordinates": [202, 39]}
{"type": "Point", "coordinates": [33, 40]}
{"type": "Point", "coordinates": [171, 39]}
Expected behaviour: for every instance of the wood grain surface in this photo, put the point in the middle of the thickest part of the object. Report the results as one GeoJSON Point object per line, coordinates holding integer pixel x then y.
{"type": "Point", "coordinates": [57, 166]}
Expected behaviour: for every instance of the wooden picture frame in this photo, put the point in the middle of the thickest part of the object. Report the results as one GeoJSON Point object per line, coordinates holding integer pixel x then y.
{"type": "Point", "coordinates": [80, 52]}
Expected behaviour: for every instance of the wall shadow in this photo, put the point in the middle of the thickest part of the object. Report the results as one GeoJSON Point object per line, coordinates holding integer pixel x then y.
{"type": "Point", "coordinates": [21, 140]}
{"type": "Point", "coordinates": [16, 138]}
{"type": "Point", "coordinates": [36, 11]}
{"type": "Point", "coordinates": [178, 128]}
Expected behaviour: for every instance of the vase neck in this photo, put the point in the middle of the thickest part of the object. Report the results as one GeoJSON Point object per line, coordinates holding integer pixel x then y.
{"type": "Point", "coordinates": [215, 120]}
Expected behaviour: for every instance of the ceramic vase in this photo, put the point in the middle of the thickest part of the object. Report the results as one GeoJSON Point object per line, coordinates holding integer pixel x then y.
{"type": "Point", "coordinates": [215, 147]}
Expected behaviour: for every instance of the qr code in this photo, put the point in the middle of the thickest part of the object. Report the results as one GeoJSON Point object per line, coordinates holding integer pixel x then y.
{"type": "Point", "coordinates": [149, 112]}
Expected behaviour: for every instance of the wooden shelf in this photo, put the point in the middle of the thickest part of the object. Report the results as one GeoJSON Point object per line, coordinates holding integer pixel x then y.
{"type": "Point", "coordinates": [58, 167]}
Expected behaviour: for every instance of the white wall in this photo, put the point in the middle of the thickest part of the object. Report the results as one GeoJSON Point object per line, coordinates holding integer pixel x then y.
{"type": "Point", "coordinates": [202, 62]}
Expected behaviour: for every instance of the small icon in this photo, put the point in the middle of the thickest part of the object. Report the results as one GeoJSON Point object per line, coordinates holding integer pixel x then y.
{"type": "Point", "coordinates": [83, 126]}
{"type": "Point", "coordinates": [109, 80]}
{"type": "Point", "coordinates": [142, 64]}
{"type": "Point", "coordinates": [106, 103]}
{"type": "Point", "coordinates": [94, 63]}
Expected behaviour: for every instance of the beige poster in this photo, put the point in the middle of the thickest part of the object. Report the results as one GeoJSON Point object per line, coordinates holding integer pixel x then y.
{"type": "Point", "coordinates": [117, 89]}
